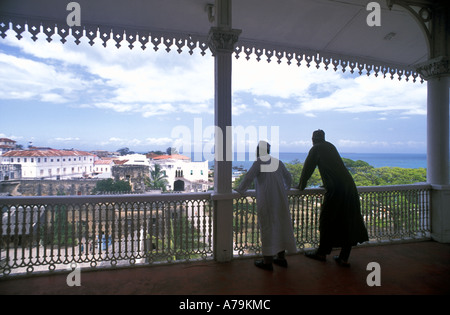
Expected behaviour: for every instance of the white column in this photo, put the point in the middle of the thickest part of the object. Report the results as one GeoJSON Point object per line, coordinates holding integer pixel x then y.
{"type": "Point", "coordinates": [437, 73]}
{"type": "Point", "coordinates": [223, 122]}
{"type": "Point", "coordinates": [223, 214]}
{"type": "Point", "coordinates": [438, 156]}
{"type": "Point", "coordinates": [221, 42]}
{"type": "Point", "coordinates": [438, 131]}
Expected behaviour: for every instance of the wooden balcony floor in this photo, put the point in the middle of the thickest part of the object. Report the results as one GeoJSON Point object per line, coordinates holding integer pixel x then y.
{"type": "Point", "coordinates": [410, 268]}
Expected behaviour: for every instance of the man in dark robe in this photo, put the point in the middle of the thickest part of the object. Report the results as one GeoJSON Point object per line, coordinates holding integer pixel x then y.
{"type": "Point", "coordinates": [340, 223]}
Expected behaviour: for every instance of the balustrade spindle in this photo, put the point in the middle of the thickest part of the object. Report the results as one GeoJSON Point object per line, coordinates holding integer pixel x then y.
{"type": "Point", "coordinates": [40, 233]}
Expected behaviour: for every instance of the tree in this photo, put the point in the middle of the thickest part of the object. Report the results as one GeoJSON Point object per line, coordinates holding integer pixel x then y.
{"type": "Point", "coordinates": [354, 166]}
{"type": "Point", "coordinates": [125, 151]}
{"type": "Point", "coordinates": [367, 175]}
{"type": "Point", "coordinates": [171, 150]}
{"type": "Point", "coordinates": [296, 167]}
{"type": "Point", "coordinates": [157, 152]}
{"type": "Point", "coordinates": [399, 176]}
{"type": "Point", "coordinates": [363, 174]}
{"type": "Point", "coordinates": [157, 179]}
{"type": "Point", "coordinates": [109, 185]}
{"type": "Point", "coordinates": [62, 231]}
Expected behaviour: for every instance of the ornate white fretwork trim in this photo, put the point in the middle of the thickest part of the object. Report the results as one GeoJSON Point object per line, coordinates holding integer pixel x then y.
{"type": "Point", "coordinates": [222, 40]}
{"type": "Point", "coordinates": [120, 35]}
{"type": "Point", "coordinates": [437, 67]}
{"type": "Point", "coordinates": [168, 40]}
{"type": "Point", "coordinates": [293, 55]}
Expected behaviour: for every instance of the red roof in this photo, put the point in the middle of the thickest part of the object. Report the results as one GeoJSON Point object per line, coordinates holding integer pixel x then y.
{"type": "Point", "coordinates": [46, 153]}
{"type": "Point", "coordinates": [104, 162]}
{"type": "Point", "coordinates": [173, 156]}
{"type": "Point", "coordinates": [7, 140]}
{"type": "Point", "coordinates": [120, 162]}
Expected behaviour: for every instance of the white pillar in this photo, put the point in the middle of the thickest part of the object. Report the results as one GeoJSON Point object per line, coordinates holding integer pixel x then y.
{"type": "Point", "coordinates": [436, 70]}
{"type": "Point", "coordinates": [438, 131]}
{"type": "Point", "coordinates": [222, 121]}
{"type": "Point", "coordinates": [437, 73]}
{"type": "Point", "coordinates": [438, 156]}
{"type": "Point", "coordinates": [221, 41]}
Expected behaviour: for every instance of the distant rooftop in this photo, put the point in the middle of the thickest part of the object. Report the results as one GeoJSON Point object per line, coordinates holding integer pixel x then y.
{"type": "Point", "coordinates": [171, 157]}
{"type": "Point", "coordinates": [104, 162]}
{"type": "Point", "coordinates": [46, 153]}
{"type": "Point", "coordinates": [7, 140]}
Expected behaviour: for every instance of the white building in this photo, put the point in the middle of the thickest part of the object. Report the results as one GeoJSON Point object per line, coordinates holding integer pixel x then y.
{"type": "Point", "coordinates": [7, 145]}
{"type": "Point", "coordinates": [183, 174]}
{"type": "Point", "coordinates": [103, 168]}
{"type": "Point", "coordinates": [51, 164]}
{"type": "Point", "coordinates": [133, 159]}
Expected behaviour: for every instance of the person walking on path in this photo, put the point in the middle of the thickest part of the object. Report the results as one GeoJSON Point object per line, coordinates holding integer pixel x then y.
{"type": "Point", "coordinates": [272, 181]}
{"type": "Point", "coordinates": [340, 223]}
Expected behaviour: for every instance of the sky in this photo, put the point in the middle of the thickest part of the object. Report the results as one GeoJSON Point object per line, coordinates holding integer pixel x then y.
{"type": "Point", "coordinates": [95, 98]}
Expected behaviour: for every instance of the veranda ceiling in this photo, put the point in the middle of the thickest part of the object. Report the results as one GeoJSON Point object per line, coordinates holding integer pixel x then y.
{"type": "Point", "coordinates": [327, 33]}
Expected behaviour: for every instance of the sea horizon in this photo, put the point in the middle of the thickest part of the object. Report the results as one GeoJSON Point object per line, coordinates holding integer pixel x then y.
{"type": "Point", "coordinates": [402, 160]}
{"type": "Point", "coordinates": [244, 160]}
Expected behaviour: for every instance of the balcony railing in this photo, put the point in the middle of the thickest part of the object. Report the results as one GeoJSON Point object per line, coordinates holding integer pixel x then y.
{"type": "Point", "coordinates": [49, 233]}
{"type": "Point", "coordinates": [53, 232]}
{"type": "Point", "coordinates": [391, 213]}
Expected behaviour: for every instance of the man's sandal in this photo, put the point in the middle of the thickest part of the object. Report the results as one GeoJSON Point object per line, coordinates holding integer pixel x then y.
{"type": "Point", "coordinates": [315, 256]}
{"type": "Point", "coordinates": [341, 262]}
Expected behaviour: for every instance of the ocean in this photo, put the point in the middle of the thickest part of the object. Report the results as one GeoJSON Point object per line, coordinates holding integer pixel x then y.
{"type": "Point", "coordinates": [403, 160]}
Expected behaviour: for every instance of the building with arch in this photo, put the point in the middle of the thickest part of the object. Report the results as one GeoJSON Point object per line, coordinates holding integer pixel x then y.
{"type": "Point", "coordinates": [183, 175]}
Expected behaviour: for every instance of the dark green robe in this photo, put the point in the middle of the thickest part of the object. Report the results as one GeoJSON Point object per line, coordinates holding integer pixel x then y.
{"type": "Point", "coordinates": [341, 223]}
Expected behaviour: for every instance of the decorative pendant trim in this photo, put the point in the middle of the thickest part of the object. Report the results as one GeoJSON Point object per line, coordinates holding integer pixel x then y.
{"type": "Point", "coordinates": [168, 40]}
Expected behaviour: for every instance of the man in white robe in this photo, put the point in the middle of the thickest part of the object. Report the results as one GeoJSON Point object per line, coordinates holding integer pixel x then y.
{"type": "Point", "coordinates": [272, 181]}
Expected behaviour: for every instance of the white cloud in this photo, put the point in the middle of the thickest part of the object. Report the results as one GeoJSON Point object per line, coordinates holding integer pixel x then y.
{"type": "Point", "coordinates": [135, 81]}
{"type": "Point", "coordinates": [410, 144]}
{"type": "Point", "coordinates": [309, 91]}
{"type": "Point", "coordinates": [135, 142]}
{"type": "Point", "coordinates": [159, 83]}
{"type": "Point", "coordinates": [297, 143]}
{"type": "Point", "coordinates": [52, 98]}
{"type": "Point", "coordinates": [159, 141]}
{"type": "Point", "coordinates": [12, 137]}
{"type": "Point", "coordinates": [122, 142]}
{"type": "Point", "coordinates": [165, 87]}
{"type": "Point", "coordinates": [199, 108]}
{"type": "Point", "coordinates": [262, 103]}
{"type": "Point", "coordinates": [114, 139]}
{"type": "Point", "coordinates": [239, 109]}
{"type": "Point", "coordinates": [350, 143]}
{"type": "Point", "coordinates": [27, 79]}
{"type": "Point", "coordinates": [272, 79]}
{"type": "Point", "coordinates": [59, 139]}
{"type": "Point", "coordinates": [364, 94]}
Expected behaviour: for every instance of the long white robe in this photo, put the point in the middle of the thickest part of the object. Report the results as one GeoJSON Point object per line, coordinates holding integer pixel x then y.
{"type": "Point", "coordinates": [272, 205]}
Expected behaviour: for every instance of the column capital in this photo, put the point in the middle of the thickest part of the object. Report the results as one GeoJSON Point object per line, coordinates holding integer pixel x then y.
{"type": "Point", "coordinates": [436, 67]}
{"type": "Point", "coordinates": [222, 40]}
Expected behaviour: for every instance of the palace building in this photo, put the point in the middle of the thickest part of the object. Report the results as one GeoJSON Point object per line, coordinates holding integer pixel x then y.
{"type": "Point", "coordinates": [183, 174]}
{"type": "Point", "coordinates": [51, 163]}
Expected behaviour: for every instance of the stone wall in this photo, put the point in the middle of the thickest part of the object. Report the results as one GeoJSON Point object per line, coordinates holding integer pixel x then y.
{"type": "Point", "coordinates": [134, 174]}
{"type": "Point", "coordinates": [48, 187]}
